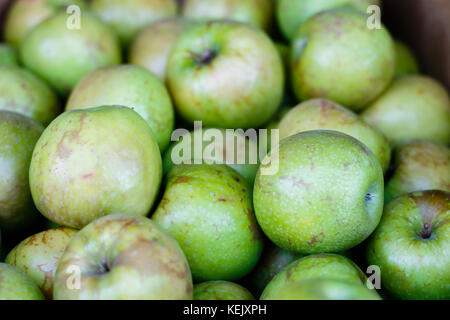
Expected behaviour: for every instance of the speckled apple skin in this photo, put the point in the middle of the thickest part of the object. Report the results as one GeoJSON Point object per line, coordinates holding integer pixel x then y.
{"type": "Point", "coordinates": [130, 86]}
{"type": "Point", "coordinates": [324, 114]}
{"type": "Point", "coordinates": [334, 55]}
{"type": "Point", "coordinates": [324, 266]}
{"type": "Point", "coordinates": [62, 56]}
{"type": "Point", "coordinates": [292, 13]}
{"type": "Point", "coordinates": [221, 290]}
{"type": "Point", "coordinates": [255, 12]}
{"type": "Point", "coordinates": [208, 210]}
{"type": "Point", "coordinates": [127, 18]}
{"type": "Point", "coordinates": [92, 162]}
{"type": "Point", "coordinates": [241, 87]}
{"type": "Point", "coordinates": [152, 46]}
{"type": "Point", "coordinates": [316, 201]}
{"type": "Point", "coordinates": [413, 267]}
{"type": "Point", "coordinates": [23, 92]}
{"type": "Point", "coordinates": [419, 165]}
{"type": "Point", "coordinates": [18, 136]}
{"type": "Point", "coordinates": [323, 289]}
{"type": "Point", "coordinates": [38, 256]}
{"type": "Point", "coordinates": [143, 262]}
{"type": "Point", "coordinates": [16, 285]}
{"type": "Point", "coordinates": [413, 107]}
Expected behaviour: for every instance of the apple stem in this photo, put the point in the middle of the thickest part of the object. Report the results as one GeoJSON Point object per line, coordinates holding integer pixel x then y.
{"type": "Point", "coordinates": [426, 231]}
{"type": "Point", "coordinates": [206, 57]}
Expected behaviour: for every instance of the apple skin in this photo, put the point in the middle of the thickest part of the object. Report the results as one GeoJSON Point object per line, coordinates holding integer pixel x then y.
{"type": "Point", "coordinates": [124, 257]}
{"type": "Point", "coordinates": [254, 12]}
{"type": "Point", "coordinates": [413, 107]}
{"type": "Point", "coordinates": [325, 63]}
{"type": "Point", "coordinates": [419, 165]}
{"type": "Point", "coordinates": [18, 136]}
{"type": "Point", "coordinates": [208, 210]}
{"type": "Point", "coordinates": [151, 47]}
{"type": "Point", "coordinates": [272, 260]}
{"type": "Point", "coordinates": [241, 143]}
{"type": "Point", "coordinates": [93, 162]}
{"type": "Point", "coordinates": [226, 74]}
{"type": "Point", "coordinates": [25, 15]}
{"type": "Point", "coordinates": [38, 256]}
{"type": "Point", "coordinates": [323, 289]}
{"type": "Point", "coordinates": [131, 86]}
{"type": "Point", "coordinates": [406, 62]}
{"type": "Point", "coordinates": [63, 56]}
{"type": "Point", "coordinates": [23, 92]}
{"type": "Point", "coordinates": [327, 195]}
{"type": "Point", "coordinates": [292, 13]}
{"type": "Point", "coordinates": [16, 285]}
{"type": "Point", "coordinates": [127, 18]}
{"type": "Point", "coordinates": [221, 290]}
{"type": "Point", "coordinates": [413, 263]}
{"type": "Point", "coordinates": [324, 266]}
{"type": "Point", "coordinates": [8, 56]}
{"type": "Point", "coordinates": [324, 114]}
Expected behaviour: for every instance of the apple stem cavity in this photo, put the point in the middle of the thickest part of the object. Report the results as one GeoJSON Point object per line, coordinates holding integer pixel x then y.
{"type": "Point", "coordinates": [426, 231]}
{"type": "Point", "coordinates": [104, 266]}
{"type": "Point", "coordinates": [206, 57]}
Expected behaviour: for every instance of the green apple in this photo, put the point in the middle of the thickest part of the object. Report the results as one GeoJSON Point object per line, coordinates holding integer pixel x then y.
{"type": "Point", "coordinates": [292, 13]}
{"type": "Point", "coordinates": [226, 74]}
{"type": "Point", "coordinates": [323, 266]}
{"type": "Point", "coordinates": [326, 196]}
{"type": "Point", "coordinates": [8, 56]}
{"type": "Point", "coordinates": [413, 107]}
{"type": "Point", "coordinates": [255, 12]}
{"type": "Point", "coordinates": [334, 55]}
{"type": "Point", "coordinates": [324, 114]}
{"type": "Point", "coordinates": [208, 210]}
{"type": "Point", "coordinates": [323, 289]}
{"type": "Point", "coordinates": [221, 290]}
{"type": "Point", "coordinates": [93, 162]}
{"type": "Point", "coordinates": [273, 259]}
{"type": "Point", "coordinates": [225, 146]}
{"type": "Point", "coordinates": [127, 18]}
{"type": "Point", "coordinates": [131, 86]}
{"type": "Point", "coordinates": [63, 55]}
{"type": "Point", "coordinates": [152, 46]}
{"type": "Point", "coordinates": [411, 246]}
{"type": "Point", "coordinates": [24, 15]}
{"type": "Point", "coordinates": [23, 92]}
{"type": "Point", "coordinates": [39, 254]}
{"type": "Point", "coordinates": [419, 165]}
{"type": "Point", "coordinates": [16, 285]}
{"type": "Point", "coordinates": [123, 257]}
{"type": "Point", "coordinates": [18, 136]}
{"type": "Point", "coordinates": [406, 62]}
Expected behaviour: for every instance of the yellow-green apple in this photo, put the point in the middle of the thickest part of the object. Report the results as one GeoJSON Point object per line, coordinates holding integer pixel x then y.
{"type": "Point", "coordinates": [131, 86]}
{"type": "Point", "coordinates": [127, 18]}
{"type": "Point", "coordinates": [92, 162]}
{"type": "Point", "coordinates": [63, 55]}
{"type": "Point", "coordinates": [18, 136]}
{"type": "Point", "coordinates": [226, 74]}
{"type": "Point", "coordinates": [8, 56]}
{"type": "Point", "coordinates": [39, 254]}
{"type": "Point", "coordinates": [208, 210]}
{"type": "Point", "coordinates": [324, 114]}
{"type": "Point", "coordinates": [16, 285]}
{"type": "Point", "coordinates": [23, 92]}
{"type": "Point", "coordinates": [292, 13]}
{"type": "Point", "coordinates": [258, 13]}
{"type": "Point", "coordinates": [123, 257]}
{"type": "Point", "coordinates": [418, 165]}
{"type": "Point", "coordinates": [327, 63]}
{"type": "Point", "coordinates": [411, 246]}
{"type": "Point", "coordinates": [405, 62]}
{"type": "Point", "coordinates": [413, 107]}
{"type": "Point", "coordinates": [326, 196]}
{"type": "Point", "coordinates": [221, 290]}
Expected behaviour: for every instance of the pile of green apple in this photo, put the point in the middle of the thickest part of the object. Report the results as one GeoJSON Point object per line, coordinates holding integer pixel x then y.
{"type": "Point", "coordinates": [92, 205]}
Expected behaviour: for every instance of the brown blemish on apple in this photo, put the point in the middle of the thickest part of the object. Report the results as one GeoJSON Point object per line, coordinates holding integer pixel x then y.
{"type": "Point", "coordinates": [253, 226]}
{"type": "Point", "coordinates": [89, 175]}
{"type": "Point", "coordinates": [315, 238]}
{"type": "Point", "coordinates": [47, 284]}
{"type": "Point", "coordinates": [182, 179]}
{"type": "Point", "coordinates": [62, 150]}
{"type": "Point", "coordinates": [296, 182]}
